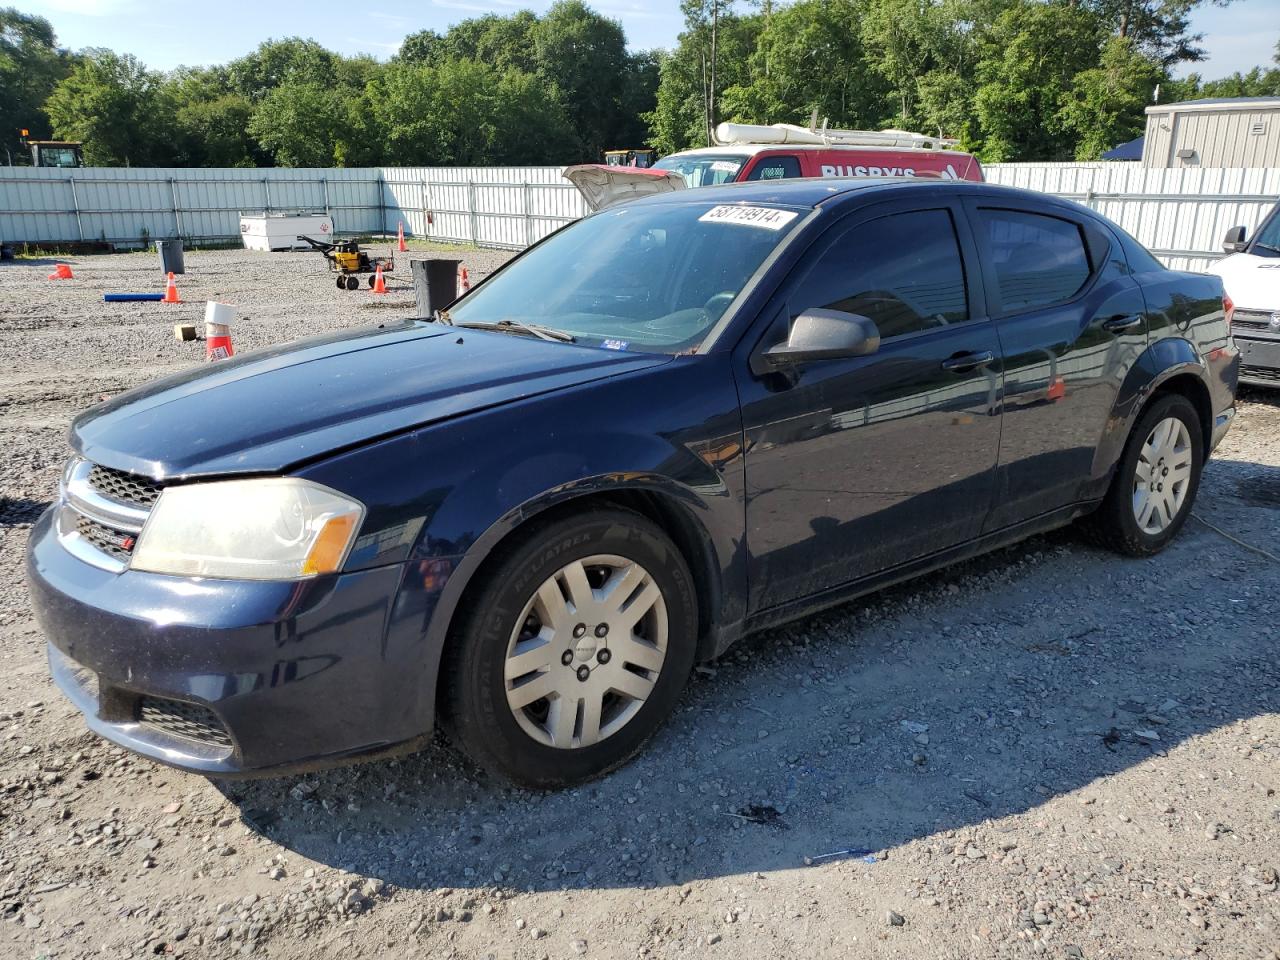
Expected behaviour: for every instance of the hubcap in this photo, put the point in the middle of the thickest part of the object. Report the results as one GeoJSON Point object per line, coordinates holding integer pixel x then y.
{"type": "Point", "coordinates": [1162, 476]}
{"type": "Point", "coordinates": [586, 652]}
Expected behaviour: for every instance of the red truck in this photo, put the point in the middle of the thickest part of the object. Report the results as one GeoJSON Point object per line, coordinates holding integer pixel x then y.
{"type": "Point", "coordinates": [778, 152]}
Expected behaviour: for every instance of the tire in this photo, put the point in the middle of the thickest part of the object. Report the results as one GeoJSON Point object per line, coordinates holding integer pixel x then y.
{"type": "Point", "coordinates": [372, 279]}
{"type": "Point", "coordinates": [353, 282]}
{"type": "Point", "coordinates": [554, 741]}
{"type": "Point", "coordinates": [1117, 524]}
{"type": "Point", "coordinates": [342, 282]}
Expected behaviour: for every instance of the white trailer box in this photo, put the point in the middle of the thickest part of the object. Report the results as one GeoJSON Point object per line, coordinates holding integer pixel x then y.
{"type": "Point", "coordinates": [280, 231]}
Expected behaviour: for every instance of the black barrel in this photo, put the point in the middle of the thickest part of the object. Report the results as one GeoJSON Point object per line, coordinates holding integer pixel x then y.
{"type": "Point", "coordinates": [435, 284]}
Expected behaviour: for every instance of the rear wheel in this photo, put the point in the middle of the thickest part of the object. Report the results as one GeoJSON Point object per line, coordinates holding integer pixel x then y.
{"type": "Point", "coordinates": [353, 282]}
{"type": "Point", "coordinates": [574, 652]}
{"type": "Point", "coordinates": [1156, 480]}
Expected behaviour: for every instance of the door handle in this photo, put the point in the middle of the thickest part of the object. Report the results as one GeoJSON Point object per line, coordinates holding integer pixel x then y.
{"type": "Point", "coordinates": [964, 362]}
{"type": "Point", "coordinates": [1123, 322]}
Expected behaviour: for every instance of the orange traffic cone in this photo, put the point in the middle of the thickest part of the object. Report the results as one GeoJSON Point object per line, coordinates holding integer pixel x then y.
{"type": "Point", "coordinates": [217, 331]}
{"type": "Point", "coordinates": [379, 285]}
{"type": "Point", "coordinates": [62, 272]}
{"type": "Point", "coordinates": [1057, 390]}
{"type": "Point", "coordinates": [171, 291]}
{"type": "Point", "coordinates": [464, 282]}
{"type": "Point", "coordinates": [400, 237]}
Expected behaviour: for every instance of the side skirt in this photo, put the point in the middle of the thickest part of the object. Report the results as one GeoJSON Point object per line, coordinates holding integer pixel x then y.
{"type": "Point", "coordinates": [805, 606]}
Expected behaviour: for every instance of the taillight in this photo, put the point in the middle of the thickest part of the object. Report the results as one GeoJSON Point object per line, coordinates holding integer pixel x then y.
{"type": "Point", "coordinates": [1228, 308]}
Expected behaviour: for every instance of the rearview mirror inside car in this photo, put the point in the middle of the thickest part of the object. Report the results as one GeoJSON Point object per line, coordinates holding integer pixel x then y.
{"type": "Point", "coordinates": [824, 335]}
{"type": "Point", "coordinates": [1234, 241]}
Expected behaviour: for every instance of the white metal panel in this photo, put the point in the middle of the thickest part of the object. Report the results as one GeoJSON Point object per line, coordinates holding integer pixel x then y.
{"type": "Point", "coordinates": [1181, 215]}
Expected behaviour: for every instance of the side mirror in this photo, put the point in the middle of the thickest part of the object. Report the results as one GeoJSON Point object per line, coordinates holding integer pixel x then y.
{"type": "Point", "coordinates": [1234, 241]}
{"type": "Point", "coordinates": [824, 335]}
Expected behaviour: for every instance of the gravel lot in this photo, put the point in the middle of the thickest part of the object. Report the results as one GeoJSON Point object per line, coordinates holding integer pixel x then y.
{"type": "Point", "coordinates": [1049, 751]}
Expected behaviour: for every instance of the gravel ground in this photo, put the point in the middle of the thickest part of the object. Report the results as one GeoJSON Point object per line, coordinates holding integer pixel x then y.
{"type": "Point", "coordinates": [1048, 751]}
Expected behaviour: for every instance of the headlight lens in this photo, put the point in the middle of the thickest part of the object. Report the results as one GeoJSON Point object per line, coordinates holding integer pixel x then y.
{"type": "Point", "coordinates": [278, 528]}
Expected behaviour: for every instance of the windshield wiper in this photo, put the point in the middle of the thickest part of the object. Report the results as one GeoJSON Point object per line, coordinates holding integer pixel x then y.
{"type": "Point", "coordinates": [1266, 246]}
{"type": "Point", "coordinates": [536, 329]}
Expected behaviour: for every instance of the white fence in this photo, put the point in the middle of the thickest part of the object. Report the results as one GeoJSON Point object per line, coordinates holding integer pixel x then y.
{"type": "Point", "coordinates": [1180, 214]}
{"type": "Point", "coordinates": [491, 206]}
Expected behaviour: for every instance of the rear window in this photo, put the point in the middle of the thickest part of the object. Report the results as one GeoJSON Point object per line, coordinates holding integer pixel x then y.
{"type": "Point", "coordinates": [1038, 260]}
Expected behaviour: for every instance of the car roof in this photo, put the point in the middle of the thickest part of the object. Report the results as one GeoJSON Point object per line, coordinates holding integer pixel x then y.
{"type": "Point", "coordinates": [815, 191]}
{"type": "Point", "coordinates": [751, 149]}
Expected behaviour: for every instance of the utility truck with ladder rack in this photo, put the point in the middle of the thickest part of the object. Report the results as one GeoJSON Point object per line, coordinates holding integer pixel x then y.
{"type": "Point", "coordinates": [779, 152]}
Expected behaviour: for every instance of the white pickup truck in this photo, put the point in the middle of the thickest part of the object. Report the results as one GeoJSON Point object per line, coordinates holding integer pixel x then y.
{"type": "Point", "coordinates": [1251, 277]}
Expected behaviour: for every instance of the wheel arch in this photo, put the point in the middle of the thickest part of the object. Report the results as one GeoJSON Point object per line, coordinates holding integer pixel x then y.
{"type": "Point", "coordinates": [1171, 365]}
{"type": "Point", "coordinates": [668, 505]}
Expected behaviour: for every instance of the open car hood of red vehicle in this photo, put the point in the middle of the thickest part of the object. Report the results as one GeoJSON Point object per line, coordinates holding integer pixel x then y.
{"type": "Point", "coordinates": [603, 186]}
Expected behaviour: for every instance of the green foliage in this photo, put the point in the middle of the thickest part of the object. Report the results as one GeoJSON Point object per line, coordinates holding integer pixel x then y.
{"type": "Point", "coordinates": [111, 102]}
{"type": "Point", "coordinates": [1011, 79]}
{"type": "Point", "coordinates": [1030, 57]}
{"type": "Point", "coordinates": [302, 124]}
{"type": "Point", "coordinates": [1105, 104]}
{"type": "Point", "coordinates": [464, 112]}
{"type": "Point", "coordinates": [31, 64]}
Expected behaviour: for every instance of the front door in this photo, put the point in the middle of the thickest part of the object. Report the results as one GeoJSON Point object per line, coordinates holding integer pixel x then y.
{"type": "Point", "coordinates": [857, 465]}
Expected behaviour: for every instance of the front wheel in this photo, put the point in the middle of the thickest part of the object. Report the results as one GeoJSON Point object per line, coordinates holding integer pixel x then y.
{"type": "Point", "coordinates": [574, 651]}
{"type": "Point", "coordinates": [1156, 480]}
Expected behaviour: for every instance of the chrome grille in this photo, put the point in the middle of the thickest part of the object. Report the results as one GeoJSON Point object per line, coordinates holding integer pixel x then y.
{"type": "Point", "coordinates": [179, 718]}
{"type": "Point", "coordinates": [102, 512]}
{"type": "Point", "coordinates": [125, 487]}
{"type": "Point", "coordinates": [117, 544]}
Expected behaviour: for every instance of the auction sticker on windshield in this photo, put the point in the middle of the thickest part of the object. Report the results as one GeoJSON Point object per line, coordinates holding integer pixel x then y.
{"type": "Point", "coordinates": [765, 217]}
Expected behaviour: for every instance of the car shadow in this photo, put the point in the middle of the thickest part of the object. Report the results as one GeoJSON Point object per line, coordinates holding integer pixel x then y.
{"type": "Point", "coordinates": [20, 511]}
{"type": "Point", "coordinates": [962, 697]}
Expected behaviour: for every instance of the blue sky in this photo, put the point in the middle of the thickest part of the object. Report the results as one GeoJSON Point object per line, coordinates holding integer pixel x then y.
{"type": "Point", "coordinates": [166, 34]}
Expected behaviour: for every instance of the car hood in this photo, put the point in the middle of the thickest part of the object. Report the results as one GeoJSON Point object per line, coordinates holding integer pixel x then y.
{"type": "Point", "coordinates": [1252, 283]}
{"type": "Point", "coordinates": [267, 411]}
{"type": "Point", "coordinates": [602, 186]}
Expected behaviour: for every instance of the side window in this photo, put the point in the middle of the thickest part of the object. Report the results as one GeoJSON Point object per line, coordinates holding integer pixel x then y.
{"type": "Point", "coordinates": [1038, 260]}
{"type": "Point", "coordinates": [903, 271]}
{"type": "Point", "coordinates": [775, 168]}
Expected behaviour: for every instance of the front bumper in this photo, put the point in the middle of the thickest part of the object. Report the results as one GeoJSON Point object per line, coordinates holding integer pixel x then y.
{"type": "Point", "coordinates": [233, 678]}
{"type": "Point", "coordinates": [1259, 360]}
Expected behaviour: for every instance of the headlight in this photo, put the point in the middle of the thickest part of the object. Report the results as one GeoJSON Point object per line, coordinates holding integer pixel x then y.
{"type": "Point", "coordinates": [279, 528]}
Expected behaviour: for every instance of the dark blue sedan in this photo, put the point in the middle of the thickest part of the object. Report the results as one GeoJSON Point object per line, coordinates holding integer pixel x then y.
{"type": "Point", "coordinates": [670, 424]}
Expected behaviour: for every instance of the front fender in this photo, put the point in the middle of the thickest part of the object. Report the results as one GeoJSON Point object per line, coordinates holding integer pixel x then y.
{"type": "Point", "coordinates": [442, 498]}
{"type": "Point", "coordinates": [1160, 362]}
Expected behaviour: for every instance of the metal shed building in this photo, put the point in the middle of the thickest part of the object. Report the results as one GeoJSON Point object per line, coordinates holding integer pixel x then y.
{"type": "Point", "coordinates": [1226, 132]}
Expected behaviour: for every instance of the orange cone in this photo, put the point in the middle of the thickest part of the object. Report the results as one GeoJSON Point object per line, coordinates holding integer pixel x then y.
{"type": "Point", "coordinates": [400, 237]}
{"type": "Point", "coordinates": [1057, 389]}
{"type": "Point", "coordinates": [464, 282]}
{"type": "Point", "coordinates": [62, 272]}
{"type": "Point", "coordinates": [379, 285]}
{"type": "Point", "coordinates": [171, 291]}
{"type": "Point", "coordinates": [217, 331]}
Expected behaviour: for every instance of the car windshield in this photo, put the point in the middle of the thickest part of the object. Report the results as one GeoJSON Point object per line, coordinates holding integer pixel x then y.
{"type": "Point", "coordinates": [702, 171]}
{"type": "Point", "coordinates": [1268, 238]}
{"type": "Point", "coordinates": [647, 277]}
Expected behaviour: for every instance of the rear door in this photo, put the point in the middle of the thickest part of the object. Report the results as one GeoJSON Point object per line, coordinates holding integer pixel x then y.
{"type": "Point", "coordinates": [857, 465]}
{"type": "Point", "coordinates": [1071, 321]}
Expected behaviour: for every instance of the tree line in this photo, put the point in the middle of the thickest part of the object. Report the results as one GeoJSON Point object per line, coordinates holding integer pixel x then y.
{"type": "Point", "coordinates": [1010, 79]}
